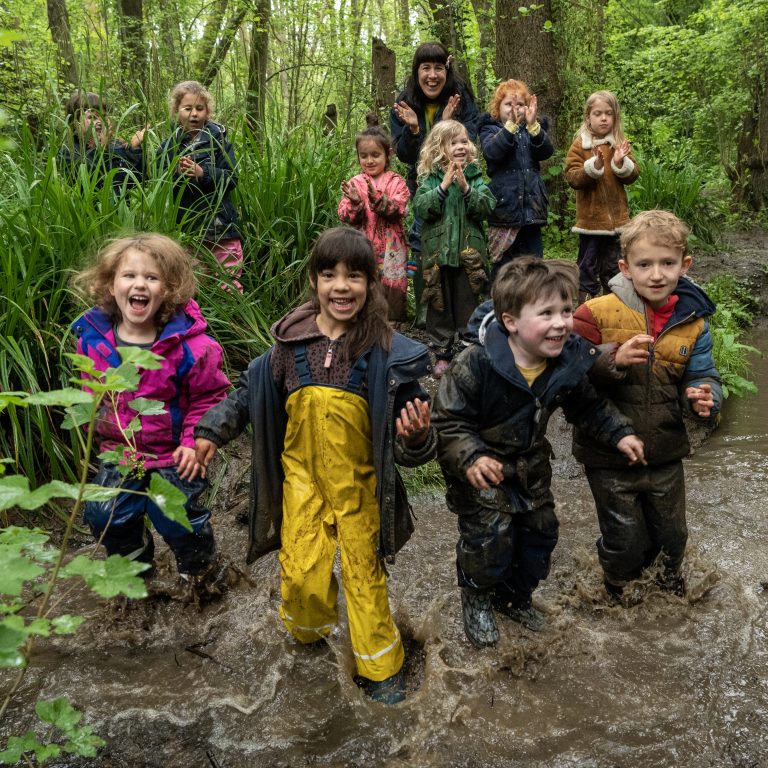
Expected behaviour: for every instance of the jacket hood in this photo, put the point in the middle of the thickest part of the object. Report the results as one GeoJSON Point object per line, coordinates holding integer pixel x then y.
{"type": "Point", "coordinates": [478, 323]}
{"type": "Point", "coordinates": [692, 299]}
{"type": "Point", "coordinates": [210, 129]}
{"type": "Point", "coordinates": [299, 324]}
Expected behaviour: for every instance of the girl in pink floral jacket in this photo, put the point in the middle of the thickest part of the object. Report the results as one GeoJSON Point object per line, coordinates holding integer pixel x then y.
{"type": "Point", "coordinates": [374, 202]}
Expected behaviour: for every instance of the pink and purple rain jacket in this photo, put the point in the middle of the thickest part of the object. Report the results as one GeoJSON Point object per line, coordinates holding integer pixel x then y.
{"type": "Point", "coordinates": [190, 382]}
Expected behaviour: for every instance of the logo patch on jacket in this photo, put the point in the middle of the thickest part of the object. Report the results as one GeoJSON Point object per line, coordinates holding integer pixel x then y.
{"type": "Point", "coordinates": [683, 351]}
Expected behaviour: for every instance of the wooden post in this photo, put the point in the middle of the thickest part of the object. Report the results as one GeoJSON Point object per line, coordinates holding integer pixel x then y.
{"type": "Point", "coordinates": [383, 80]}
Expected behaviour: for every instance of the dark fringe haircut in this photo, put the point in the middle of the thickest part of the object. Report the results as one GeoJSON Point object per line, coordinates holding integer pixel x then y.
{"type": "Point", "coordinates": [528, 278]}
{"type": "Point", "coordinates": [434, 53]}
{"type": "Point", "coordinates": [352, 248]}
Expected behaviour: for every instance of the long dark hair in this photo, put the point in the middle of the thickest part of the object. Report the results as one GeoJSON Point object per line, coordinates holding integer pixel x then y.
{"type": "Point", "coordinates": [352, 248]}
{"type": "Point", "coordinates": [434, 53]}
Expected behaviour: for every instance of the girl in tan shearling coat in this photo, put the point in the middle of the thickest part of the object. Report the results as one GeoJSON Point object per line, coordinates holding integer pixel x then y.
{"type": "Point", "coordinates": [599, 166]}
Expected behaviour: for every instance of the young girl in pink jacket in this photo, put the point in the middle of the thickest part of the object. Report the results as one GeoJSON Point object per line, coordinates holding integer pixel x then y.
{"type": "Point", "coordinates": [374, 202]}
{"type": "Point", "coordinates": [143, 287]}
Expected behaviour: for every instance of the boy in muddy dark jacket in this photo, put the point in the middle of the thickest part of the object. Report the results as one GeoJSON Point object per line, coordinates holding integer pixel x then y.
{"type": "Point", "coordinates": [654, 335]}
{"type": "Point", "coordinates": [491, 416]}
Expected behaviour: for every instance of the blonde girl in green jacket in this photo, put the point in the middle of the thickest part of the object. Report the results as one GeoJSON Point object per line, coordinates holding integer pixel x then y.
{"type": "Point", "coordinates": [454, 201]}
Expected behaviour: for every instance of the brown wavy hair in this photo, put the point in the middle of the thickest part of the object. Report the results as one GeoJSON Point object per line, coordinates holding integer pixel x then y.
{"type": "Point", "coordinates": [351, 247]}
{"type": "Point", "coordinates": [528, 278]}
{"type": "Point", "coordinates": [173, 264]}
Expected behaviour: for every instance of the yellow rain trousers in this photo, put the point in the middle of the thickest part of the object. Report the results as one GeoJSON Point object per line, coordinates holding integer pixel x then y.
{"type": "Point", "coordinates": [329, 500]}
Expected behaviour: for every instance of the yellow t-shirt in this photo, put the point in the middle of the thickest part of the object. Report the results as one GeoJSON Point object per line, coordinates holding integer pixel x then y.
{"type": "Point", "coordinates": [430, 110]}
{"type": "Point", "coordinates": [531, 374]}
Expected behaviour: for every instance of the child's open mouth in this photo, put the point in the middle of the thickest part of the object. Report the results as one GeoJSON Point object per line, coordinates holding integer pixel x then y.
{"type": "Point", "coordinates": [138, 302]}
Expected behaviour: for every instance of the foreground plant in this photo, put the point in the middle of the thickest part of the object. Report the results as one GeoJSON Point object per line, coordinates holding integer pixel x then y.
{"type": "Point", "coordinates": [33, 571]}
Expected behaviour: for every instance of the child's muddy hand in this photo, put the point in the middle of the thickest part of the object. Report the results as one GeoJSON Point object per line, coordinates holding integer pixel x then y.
{"type": "Point", "coordinates": [633, 352]}
{"type": "Point", "coordinates": [485, 472]}
{"type": "Point", "coordinates": [413, 422]}
{"type": "Point", "coordinates": [701, 399]}
{"type": "Point", "coordinates": [205, 450]}
{"type": "Point", "coordinates": [187, 467]}
{"type": "Point", "coordinates": [632, 447]}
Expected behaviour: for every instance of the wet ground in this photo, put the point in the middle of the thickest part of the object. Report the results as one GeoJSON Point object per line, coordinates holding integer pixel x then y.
{"type": "Point", "coordinates": [662, 681]}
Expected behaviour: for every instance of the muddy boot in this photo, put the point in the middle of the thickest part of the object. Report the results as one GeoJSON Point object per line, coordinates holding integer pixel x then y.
{"type": "Point", "coordinates": [615, 591]}
{"type": "Point", "coordinates": [522, 612]}
{"type": "Point", "coordinates": [672, 582]}
{"type": "Point", "coordinates": [389, 691]}
{"type": "Point", "coordinates": [479, 621]}
{"type": "Point", "coordinates": [209, 585]}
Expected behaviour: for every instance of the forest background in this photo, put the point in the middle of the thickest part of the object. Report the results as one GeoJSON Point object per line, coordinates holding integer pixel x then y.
{"type": "Point", "coordinates": [293, 80]}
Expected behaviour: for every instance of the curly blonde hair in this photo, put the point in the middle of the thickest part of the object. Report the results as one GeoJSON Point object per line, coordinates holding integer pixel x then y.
{"type": "Point", "coordinates": [434, 151]}
{"type": "Point", "coordinates": [180, 90]}
{"type": "Point", "coordinates": [508, 88]}
{"type": "Point", "coordinates": [173, 264]}
{"type": "Point", "coordinates": [611, 100]}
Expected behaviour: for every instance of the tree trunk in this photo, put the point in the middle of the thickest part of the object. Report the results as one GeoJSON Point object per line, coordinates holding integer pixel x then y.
{"type": "Point", "coordinates": [525, 51]}
{"type": "Point", "coordinates": [133, 57]}
{"type": "Point", "coordinates": [448, 30]}
{"type": "Point", "coordinates": [384, 87]}
{"type": "Point", "coordinates": [485, 25]}
{"type": "Point", "coordinates": [210, 36]}
{"type": "Point", "coordinates": [224, 44]}
{"type": "Point", "coordinates": [58, 22]}
{"type": "Point", "coordinates": [750, 184]}
{"type": "Point", "coordinates": [257, 67]}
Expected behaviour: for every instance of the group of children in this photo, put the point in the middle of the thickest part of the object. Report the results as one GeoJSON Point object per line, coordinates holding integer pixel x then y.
{"type": "Point", "coordinates": [336, 403]}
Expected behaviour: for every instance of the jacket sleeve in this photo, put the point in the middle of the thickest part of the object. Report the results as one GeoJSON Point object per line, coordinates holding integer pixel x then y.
{"type": "Point", "coordinates": [456, 415]}
{"type": "Point", "coordinates": [407, 144]}
{"type": "Point", "coordinates": [541, 144]}
{"type": "Point", "coordinates": [391, 202]}
{"type": "Point", "coordinates": [575, 173]}
{"type": "Point", "coordinates": [480, 200]}
{"type": "Point", "coordinates": [496, 141]}
{"type": "Point", "coordinates": [468, 115]}
{"type": "Point", "coordinates": [596, 415]}
{"type": "Point", "coordinates": [628, 172]}
{"type": "Point", "coordinates": [428, 203]}
{"type": "Point", "coordinates": [352, 213]}
{"type": "Point", "coordinates": [219, 169]}
{"type": "Point", "coordinates": [226, 420]}
{"type": "Point", "coordinates": [701, 370]}
{"type": "Point", "coordinates": [205, 385]}
{"type": "Point", "coordinates": [604, 371]}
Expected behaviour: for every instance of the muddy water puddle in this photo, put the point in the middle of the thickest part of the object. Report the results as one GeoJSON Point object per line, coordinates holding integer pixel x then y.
{"type": "Point", "coordinates": [660, 682]}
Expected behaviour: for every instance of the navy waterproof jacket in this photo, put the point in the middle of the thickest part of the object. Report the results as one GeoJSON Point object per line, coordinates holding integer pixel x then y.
{"type": "Point", "coordinates": [513, 165]}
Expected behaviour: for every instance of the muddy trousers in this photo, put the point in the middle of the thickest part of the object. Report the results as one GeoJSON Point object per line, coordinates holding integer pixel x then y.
{"type": "Point", "coordinates": [459, 302]}
{"type": "Point", "coordinates": [641, 511]}
{"type": "Point", "coordinates": [507, 552]}
{"type": "Point", "coordinates": [120, 522]}
{"type": "Point", "coordinates": [598, 261]}
{"type": "Point", "coordinates": [329, 503]}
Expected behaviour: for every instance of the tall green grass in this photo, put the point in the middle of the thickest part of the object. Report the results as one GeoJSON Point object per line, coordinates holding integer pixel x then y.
{"type": "Point", "coordinates": [50, 226]}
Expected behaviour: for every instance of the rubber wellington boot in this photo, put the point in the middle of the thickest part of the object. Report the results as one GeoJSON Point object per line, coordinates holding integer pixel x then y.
{"type": "Point", "coordinates": [389, 691]}
{"type": "Point", "coordinates": [479, 621]}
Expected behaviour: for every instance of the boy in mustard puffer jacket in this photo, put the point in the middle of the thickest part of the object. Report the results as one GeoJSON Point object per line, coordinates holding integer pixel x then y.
{"type": "Point", "coordinates": [655, 338]}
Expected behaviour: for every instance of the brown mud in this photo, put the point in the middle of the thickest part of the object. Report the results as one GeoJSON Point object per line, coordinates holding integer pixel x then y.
{"type": "Point", "coordinates": [657, 682]}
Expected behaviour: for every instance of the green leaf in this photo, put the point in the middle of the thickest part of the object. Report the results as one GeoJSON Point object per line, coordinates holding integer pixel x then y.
{"type": "Point", "coordinates": [20, 745]}
{"type": "Point", "coordinates": [116, 575]}
{"type": "Point", "coordinates": [15, 492]}
{"type": "Point", "coordinates": [141, 358]}
{"type": "Point", "coordinates": [66, 624]}
{"type": "Point", "coordinates": [84, 743]}
{"type": "Point", "coordinates": [84, 364]}
{"type": "Point", "coordinates": [12, 637]}
{"type": "Point", "coordinates": [60, 397]}
{"type": "Point", "coordinates": [169, 499]}
{"type": "Point", "coordinates": [145, 407]}
{"type": "Point", "coordinates": [77, 415]}
{"type": "Point", "coordinates": [58, 712]}
{"type": "Point", "coordinates": [11, 398]}
{"type": "Point", "coordinates": [92, 492]}
{"type": "Point", "coordinates": [15, 569]}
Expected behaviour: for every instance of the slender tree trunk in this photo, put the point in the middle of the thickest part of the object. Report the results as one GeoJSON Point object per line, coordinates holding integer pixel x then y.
{"type": "Point", "coordinates": [750, 181]}
{"type": "Point", "coordinates": [485, 25]}
{"type": "Point", "coordinates": [448, 30]}
{"type": "Point", "coordinates": [224, 44]}
{"type": "Point", "coordinates": [257, 66]}
{"type": "Point", "coordinates": [133, 54]}
{"type": "Point", "coordinates": [383, 60]}
{"type": "Point", "coordinates": [210, 35]}
{"type": "Point", "coordinates": [58, 22]}
{"type": "Point", "coordinates": [403, 22]}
